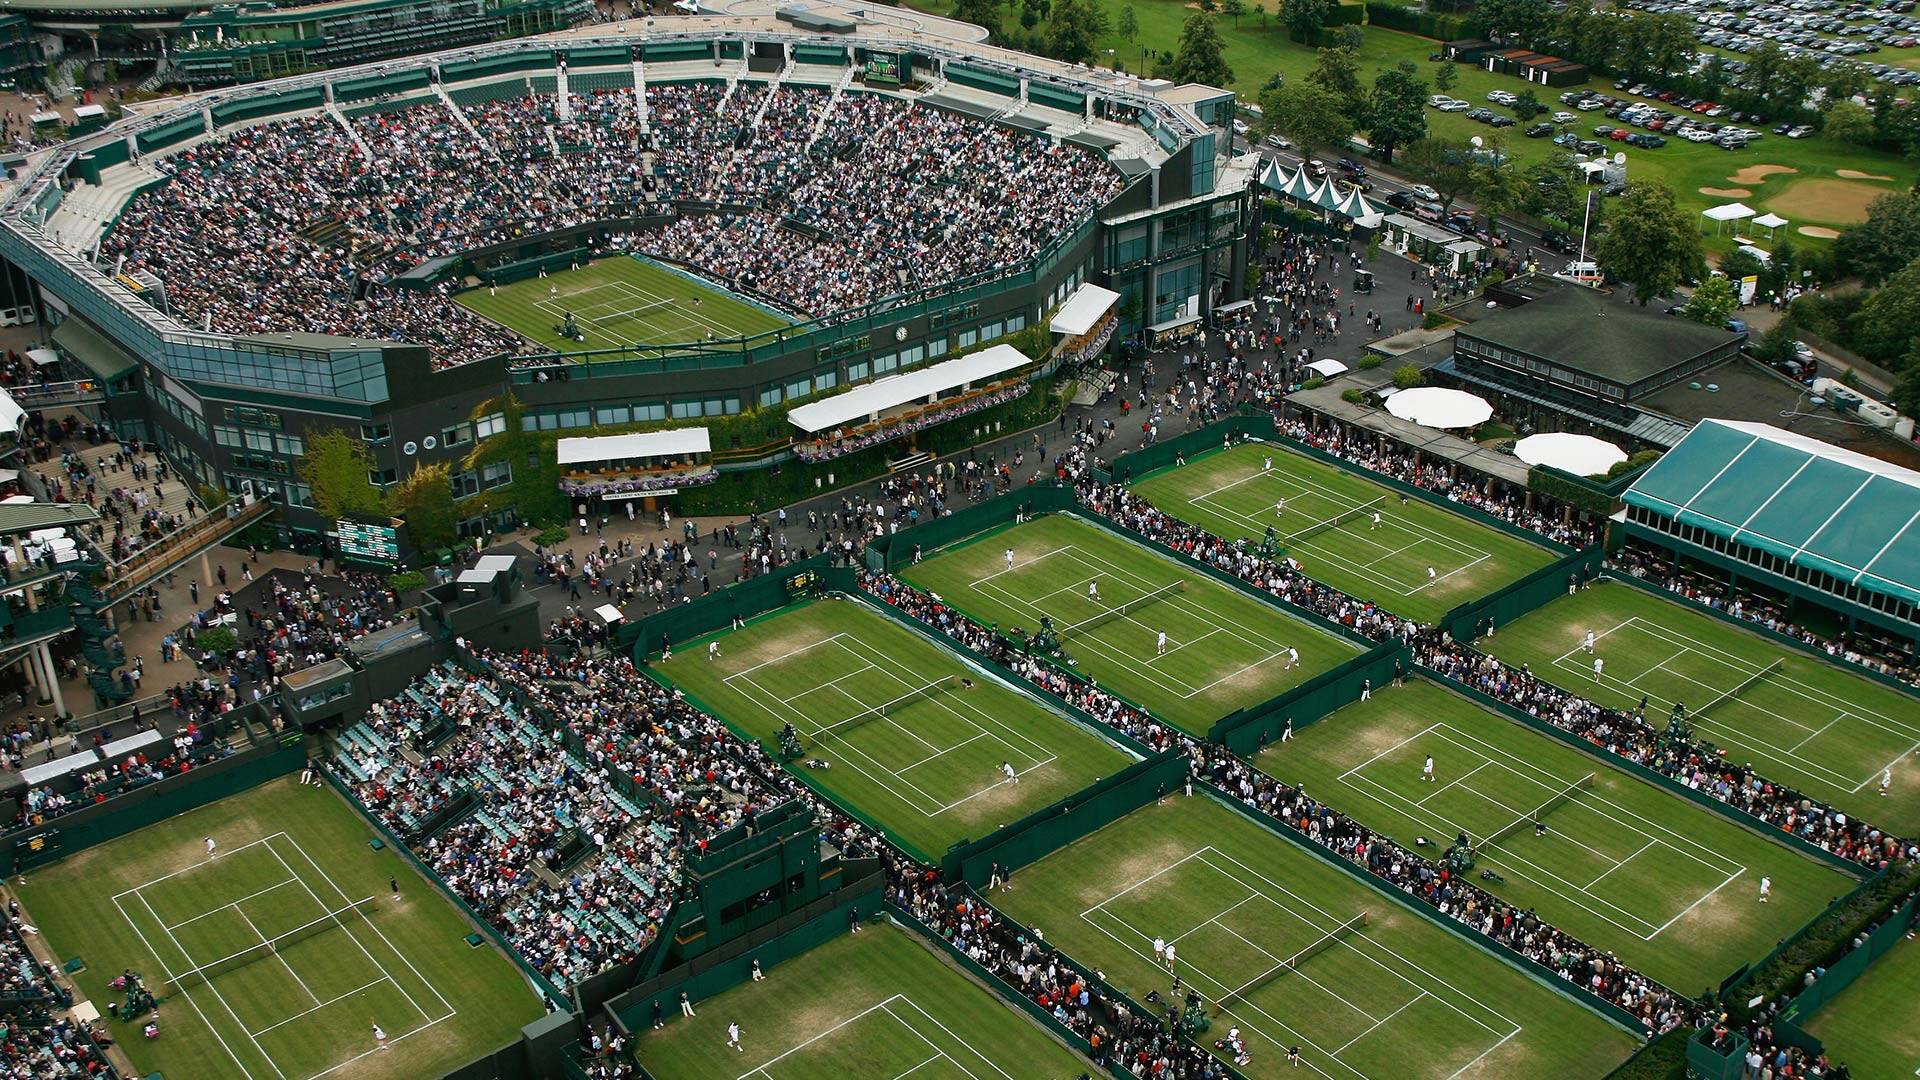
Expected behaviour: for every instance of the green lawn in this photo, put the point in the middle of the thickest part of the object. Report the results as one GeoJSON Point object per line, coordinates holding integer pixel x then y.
{"type": "Point", "coordinates": [927, 768]}
{"type": "Point", "coordinates": [878, 1004]}
{"type": "Point", "coordinates": [1873, 1027]}
{"type": "Point", "coordinates": [1668, 885]}
{"type": "Point", "coordinates": [1397, 997]}
{"type": "Point", "coordinates": [293, 866]}
{"type": "Point", "coordinates": [1257, 48]}
{"type": "Point", "coordinates": [1800, 721]}
{"type": "Point", "coordinates": [1225, 649]}
{"type": "Point", "coordinates": [618, 301]}
{"type": "Point", "coordinates": [1328, 526]}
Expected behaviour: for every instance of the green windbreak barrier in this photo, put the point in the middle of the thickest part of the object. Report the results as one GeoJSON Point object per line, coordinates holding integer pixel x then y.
{"type": "Point", "coordinates": [254, 108]}
{"type": "Point", "coordinates": [1048, 829]}
{"type": "Point", "coordinates": [355, 89]}
{"type": "Point", "coordinates": [1842, 972]}
{"type": "Point", "coordinates": [682, 623]}
{"type": "Point", "coordinates": [930, 536]}
{"type": "Point", "coordinates": [1135, 466]}
{"type": "Point", "coordinates": [991, 81]}
{"type": "Point", "coordinates": [1472, 619]}
{"type": "Point", "coordinates": [1247, 731]}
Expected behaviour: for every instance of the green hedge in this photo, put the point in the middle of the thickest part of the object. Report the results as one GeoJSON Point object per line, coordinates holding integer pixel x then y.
{"type": "Point", "coordinates": [1828, 935]}
{"type": "Point", "coordinates": [1568, 490]}
{"type": "Point", "coordinates": [1424, 23]}
{"type": "Point", "coordinates": [1665, 1058]}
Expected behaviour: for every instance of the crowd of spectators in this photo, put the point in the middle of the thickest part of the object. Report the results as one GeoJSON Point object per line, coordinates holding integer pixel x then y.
{"type": "Point", "coordinates": [833, 445]}
{"type": "Point", "coordinates": [34, 1042]}
{"type": "Point", "coordinates": [1715, 593]}
{"type": "Point", "coordinates": [189, 748]}
{"type": "Point", "coordinates": [303, 619]}
{"type": "Point", "coordinates": [303, 224]}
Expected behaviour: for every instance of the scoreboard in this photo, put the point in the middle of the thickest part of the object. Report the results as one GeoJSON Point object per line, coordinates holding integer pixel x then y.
{"type": "Point", "coordinates": [369, 543]}
{"type": "Point", "coordinates": [883, 68]}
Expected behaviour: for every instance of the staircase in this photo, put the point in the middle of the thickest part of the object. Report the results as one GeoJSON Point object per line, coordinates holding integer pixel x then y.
{"type": "Point", "coordinates": [460, 117]}
{"type": "Point", "coordinates": [162, 68]}
{"type": "Point", "coordinates": [640, 92]}
{"type": "Point", "coordinates": [87, 601]}
{"type": "Point", "coordinates": [833, 100]}
{"type": "Point", "coordinates": [766, 99]}
{"type": "Point", "coordinates": [562, 101]}
{"type": "Point", "coordinates": [347, 126]}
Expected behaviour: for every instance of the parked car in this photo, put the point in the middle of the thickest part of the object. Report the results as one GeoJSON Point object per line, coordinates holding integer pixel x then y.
{"type": "Point", "coordinates": [1422, 191]}
{"type": "Point", "coordinates": [1400, 200]}
{"type": "Point", "coordinates": [1279, 142]}
{"type": "Point", "coordinates": [1455, 105]}
{"type": "Point", "coordinates": [1564, 117]}
{"type": "Point", "coordinates": [1539, 131]}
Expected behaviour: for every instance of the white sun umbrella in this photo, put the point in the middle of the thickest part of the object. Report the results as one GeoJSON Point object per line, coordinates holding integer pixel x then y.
{"type": "Point", "coordinates": [1439, 407]}
{"type": "Point", "coordinates": [1581, 455]}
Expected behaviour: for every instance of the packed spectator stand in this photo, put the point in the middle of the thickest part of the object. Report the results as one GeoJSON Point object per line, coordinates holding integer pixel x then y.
{"type": "Point", "coordinates": [303, 224]}
{"type": "Point", "coordinates": [34, 1043]}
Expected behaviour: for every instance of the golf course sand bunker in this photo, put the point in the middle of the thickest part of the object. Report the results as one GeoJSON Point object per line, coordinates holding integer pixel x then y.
{"type": "Point", "coordinates": [1757, 174]}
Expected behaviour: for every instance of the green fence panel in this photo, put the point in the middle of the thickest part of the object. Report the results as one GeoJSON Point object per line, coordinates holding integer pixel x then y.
{"type": "Point", "coordinates": [254, 108]}
{"type": "Point", "coordinates": [1540, 972]}
{"type": "Point", "coordinates": [1247, 731]}
{"type": "Point", "coordinates": [1048, 829]}
{"type": "Point", "coordinates": [1844, 971]}
{"type": "Point", "coordinates": [1133, 466]}
{"type": "Point", "coordinates": [898, 550]}
{"type": "Point", "coordinates": [1469, 621]}
{"type": "Point", "coordinates": [1727, 1062]}
{"type": "Point", "coordinates": [374, 86]}
{"type": "Point", "coordinates": [1657, 779]}
{"type": "Point", "coordinates": [1775, 636]}
{"type": "Point", "coordinates": [683, 623]}
{"type": "Point", "coordinates": [173, 131]}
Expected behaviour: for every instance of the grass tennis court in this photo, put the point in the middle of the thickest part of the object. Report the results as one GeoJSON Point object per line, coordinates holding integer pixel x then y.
{"type": "Point", "coordinates": [1669, 886]}
{"type": "Point", "coordinates": [879, 1004]}
{"type": "Point", "coordinates": [904, 739]}
{"type": "Point", "coordinates": [620, 300]}
{"type": "Point", "coordinates": [1873, 1027]}
{"type": "Point", "coordinates": [1797, 719]}
{"type": "Point", "coordinates": [1225, 649]}
{"type": "Point", "coordinates": [1270, 927]}
{"type": "Point", "coordinates": [1327, 525]}
{"type": "Point", "coordinates": [294, 869]}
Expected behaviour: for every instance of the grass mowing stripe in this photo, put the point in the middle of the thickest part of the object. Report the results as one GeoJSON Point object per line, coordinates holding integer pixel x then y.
{"type": "Point", "coordinates": [1400, 997]}
{"type": "Point", "coordinates": [1225, 648]}
{"type": "Point", "coordinates": [880, 1003]}
{"type": "Point", "coordinates": [1328, 525]}
{"type": "Point", "coordinates": [929, 769]}
{"type": "Point", "coordinates": [1667, 885]}
{"type": "Point", "coordinates": [190, 908]}
{"type": "Point", "coordinates": [1809, 724]}
{"type": "Point", "coordinates": [1873, 1026]}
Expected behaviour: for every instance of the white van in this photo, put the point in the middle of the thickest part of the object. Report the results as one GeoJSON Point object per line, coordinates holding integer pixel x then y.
{"type": "Point", "coordinates": [1586, 273]}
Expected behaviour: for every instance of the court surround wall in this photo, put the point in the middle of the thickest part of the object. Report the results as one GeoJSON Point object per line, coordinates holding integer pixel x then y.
{"type": "Point", "coordinates": [1522, 597]}
{"type": "Point", "coordinates": [1051, 828]}
{"type": "Point", "coordinates": [1247, 731]}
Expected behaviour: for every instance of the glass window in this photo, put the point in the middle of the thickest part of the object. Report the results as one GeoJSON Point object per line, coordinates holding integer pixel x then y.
{"type": "Point", "coordinates": [378, 433]}
{"type": "Point", "coordinates": [613, 414]}
{"type": "Point", "coordinates": [290, 445]}
{"type": "Point", "coordinates": [381, 477]}
{"type": "Point", "coordinates": [490, 425]}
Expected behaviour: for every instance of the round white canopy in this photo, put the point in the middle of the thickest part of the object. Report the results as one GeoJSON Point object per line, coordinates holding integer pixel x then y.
{"type": "Point", "coordinates": [1581, 455]}
{"type": "Point", "coordinates": [1439, 407]}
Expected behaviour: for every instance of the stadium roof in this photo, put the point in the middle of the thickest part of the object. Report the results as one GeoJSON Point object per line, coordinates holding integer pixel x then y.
{"type": "Point", "coordinates": [1083, 310]}
{"type": "Point", "coordinates": [673, 442]}
{"type": "Point", "coordinates": [896, 390]}
{"type": "Point", "coordinates": [1834, 510]}
{"type": "Point", "coordinates": [25, 517]}
{"type": "Point", "coordinates": [1585, 330]}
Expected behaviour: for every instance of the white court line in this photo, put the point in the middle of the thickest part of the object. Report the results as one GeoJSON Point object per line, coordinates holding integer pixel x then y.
{"type": "Point", "coordinates": [276, 955]}
{"type": "Point", "coordinates": [223, 907]}
{"type": "Point", "coordinates": [323, 1004]}
{"type": "Point", "coordinates": [188, 994]}
{"type": "Point", "coordinates": [217, 995]}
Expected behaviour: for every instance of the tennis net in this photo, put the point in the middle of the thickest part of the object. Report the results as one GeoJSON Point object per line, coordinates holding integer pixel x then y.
{"type": "Point", "coordinates": [1333, 522]}
{"type": "Point", "coordinates": [1745, 685]}
{"type": "Point", "coordinates": [1314, 949]}
{"type": "Point", "coordinates": [1122, 610]}
{"type": "Point", "coordinates": [1559, 799]}
{"type": "Point", "coordinates": [885, 708]}
{"type": "Point", "coordinates": [205, 972]}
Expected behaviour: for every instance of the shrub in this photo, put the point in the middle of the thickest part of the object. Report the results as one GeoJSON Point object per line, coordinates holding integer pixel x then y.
{"type": "Point", "coordinates": [1368, 362]}
{"type": "Point", "coordinates": [1494, 277]}
{"type": "Point", "coordinates": [406, 581]}
{"type": "Point", "coordinates": [1636, 460]}
{"type": "Point", "coordinates": [1665, 1058]}
{"type": "Point", "coordinates": [1314, 383]}
{"type": "Point", "coordinates": [1406, 377]}
{"type": "Point", "coordinates": [219, 640]}
{"type": "Point", "coordinates": [1354, 396]}
{"type": "Point", "coordinates": [1435, 320]}
{"type": "Point", "coordinates": [551, 535]}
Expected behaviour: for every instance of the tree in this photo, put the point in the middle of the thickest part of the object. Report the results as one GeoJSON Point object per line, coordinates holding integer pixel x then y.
{"type": "Point", "coordinates": [1304, 17]}
{"type": "Point", "coordinates": [1527, 105]}
{"type": "Point", "coordinates": [1234, 9]}
{"type": "Point", "coordinates": [1337, 70]}
{"type": "Point", "coordinates": [1520, 22]}
{"type": "Point", "coordinates": [1496, 186]}
{"type": "Point", "coordinates": [1447, 77]}
{"type": "Point", "coordinates": [336, 468]}
{"type": "Point", "coordinates": [1072, 33]}
{"type": "Point", "coordinates": [1652, 243]}
{"type": "Point", "coordinates": [1886, 329]}
{"type": "Point", "coordinates": [1397, 114]}
{"type": "Point", "coordinates": [1307, 113]}
{"type": "Point", "coordinates": [1200, 59]}
{"type": "Point", "coordinates": [1350, 37]}
{"type": "Point", "coordinates": [425, 499]}
{"type": "Point", "coordinates": [1850, 122]}
{"type": "Point", "coordinates": [1446, 164]}
{"type": "Point", "coordinates": [1888, 240]}
{"type": "Point", "coordinates": [1129, 23]}
{"type": "Point", "coordinates": [983, 13]}
{"type": "Point", "coordinates": [1260, 11]}
{"type": "Point", "coordinates": [1712, 302]}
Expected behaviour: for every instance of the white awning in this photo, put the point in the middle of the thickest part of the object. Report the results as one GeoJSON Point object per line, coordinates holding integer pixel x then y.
{"type": "Point", "coordinates": [43, 357]}
{"type": "Point", "coordinates": [1581, 455]}
{"type": "Point", "coordinates": [608, 614]}
{"type": "Point", "coordinates": [1440, 407]}
{"type": "Point", "coordinates": [1083, 310]}
{"type": "Point", "coordinates": [1758, 253]}
{"type": "Point", "coordinates": [1327, 368]}
{"type": "Point", "coordinates": [896, 390]}
{"type": "Point", "coordinates": [1732, 211]}
{"type": "Point", "coordinates": [674, 442]}
{"type": "Point", "coordinates": [10, 413]}
{"type": "Point", "coordinates": [1769, 221]}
